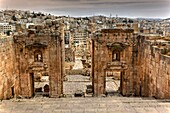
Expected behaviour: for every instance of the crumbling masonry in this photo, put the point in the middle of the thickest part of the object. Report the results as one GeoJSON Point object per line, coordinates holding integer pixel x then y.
{"type": "Point", "coordinates": [143, 61]}
{"type": "Point", "coordinates": [26, 54]}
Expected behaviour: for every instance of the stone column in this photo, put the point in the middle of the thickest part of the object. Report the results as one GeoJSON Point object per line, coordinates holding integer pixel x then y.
{"type": "Point", "coordinates": [92, 65]}
{"type": "Point", "coordinates": [99, 69]}
{"type": "Point", "coordinates": [55, 67]}
{"type": "Point", "coordinates": [62, 49]}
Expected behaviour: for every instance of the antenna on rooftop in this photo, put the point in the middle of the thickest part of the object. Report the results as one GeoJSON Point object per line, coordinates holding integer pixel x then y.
{"type": "Point", "coordinates": [110, 20]}
{"type": "Point", "coordinates": [116, 18]}
{"type": "Point", "coordinates": [110, 15]}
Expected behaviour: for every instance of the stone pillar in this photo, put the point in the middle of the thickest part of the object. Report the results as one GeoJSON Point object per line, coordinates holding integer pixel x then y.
{"type": "Point", "coordinates": [124, 83]}
{"type": "Point", "coordinates": [92, 65]}
{"type": "Point", "coordinates": [55, 67]}
{"type": "Point", "coordinates": [56, 63]}
{"type": "Point", "coordinates": [92, 55]}
{"type": "Point", "coordinates": [99, 69]}
{"type": "Point", "coordinates": [62, 49]}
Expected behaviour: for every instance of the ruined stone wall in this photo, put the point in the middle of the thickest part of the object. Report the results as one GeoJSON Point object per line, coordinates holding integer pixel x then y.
{"type": "Point", "coordinates": [7, 66]}
{"type": "Point", "coordinates": [49, 48]}
{"type": "Point", "coordinates": [102, 55]}
{"type": "Point", "coordinates": [153, 71]}
{"type": "Point", "coordinates": [126, 55]}
{"type": "Point", "coordinates": [100, 60]}
{"type": "Point", "coordinates": [148, 70]}
{"type": "Point", "coordinates": [127, 79]}
{"type": "Point", "coordinates": [27, 66]}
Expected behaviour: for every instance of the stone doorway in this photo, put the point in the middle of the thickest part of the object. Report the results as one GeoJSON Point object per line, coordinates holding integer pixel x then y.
{"type": "Point", "coordinates": [32, 84]}
{"type": "Point", "coordinates": [41, 84]}
{"type": "Point", "coordinates": [113, 81]}
{"type": "Point", "coordinates": [77, 80]}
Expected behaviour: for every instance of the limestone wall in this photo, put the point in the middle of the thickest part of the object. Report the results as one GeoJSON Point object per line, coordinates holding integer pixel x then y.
{"type": "Point", "coordinates": [38, 55]}
{"type": "Point", "coordinates": [153, 71]}
{"type": "Point", "coordinates": [7, 75]}
{"type": "Point", "coordinates": [102, 55]}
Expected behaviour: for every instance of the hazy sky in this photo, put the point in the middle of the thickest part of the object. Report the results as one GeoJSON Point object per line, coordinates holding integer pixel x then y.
{"type": "Point", "coordinates": [128, 8]}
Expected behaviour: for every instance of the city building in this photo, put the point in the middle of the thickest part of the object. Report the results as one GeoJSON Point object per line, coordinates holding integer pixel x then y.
{"type": "Point", "coordinates": [5, 27]}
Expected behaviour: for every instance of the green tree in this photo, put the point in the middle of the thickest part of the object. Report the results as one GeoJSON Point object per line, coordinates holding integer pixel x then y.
{"type": "Point", "coordinates": [8, 32]}
{"type": "Point", "coordinates": [14, 18]}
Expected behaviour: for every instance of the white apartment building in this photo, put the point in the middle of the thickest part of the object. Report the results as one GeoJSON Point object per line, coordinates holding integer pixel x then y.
{"type": "Point", "coordinates": [28, 24]}
{"type": "Point", "coordinates": [80, 37]}
{"type": "Point", "coordinates": [4, 27]}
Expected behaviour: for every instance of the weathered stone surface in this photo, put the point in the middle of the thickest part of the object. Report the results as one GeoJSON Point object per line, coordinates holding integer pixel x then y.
{"type": "Point", "coordinates": [24, 56]}
{"type": "Point", "coordinates": [7, 68]}
{"type": "Point", "coordinates": [143, 66]}
{"type": "Point", "coordinates": [85, 105]}
{"type": "Point", "coordinates": [153, 70]}
{"type": "Point", "coordinates": [143, 63]}
{"type": "Point", "coordinates": [105, 44]}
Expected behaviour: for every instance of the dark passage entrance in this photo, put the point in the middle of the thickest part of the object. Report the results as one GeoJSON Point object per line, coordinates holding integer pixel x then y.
{"type": "Point", "coordinates": [32, 84]}
{"type": "Point", "coordinates": [39, 84]}
{"type": "Point", "coordinates": [12, 89]}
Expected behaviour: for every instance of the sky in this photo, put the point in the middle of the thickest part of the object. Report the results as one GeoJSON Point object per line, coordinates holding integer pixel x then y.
{"type": "Point", "coordinates": [122, 8]}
